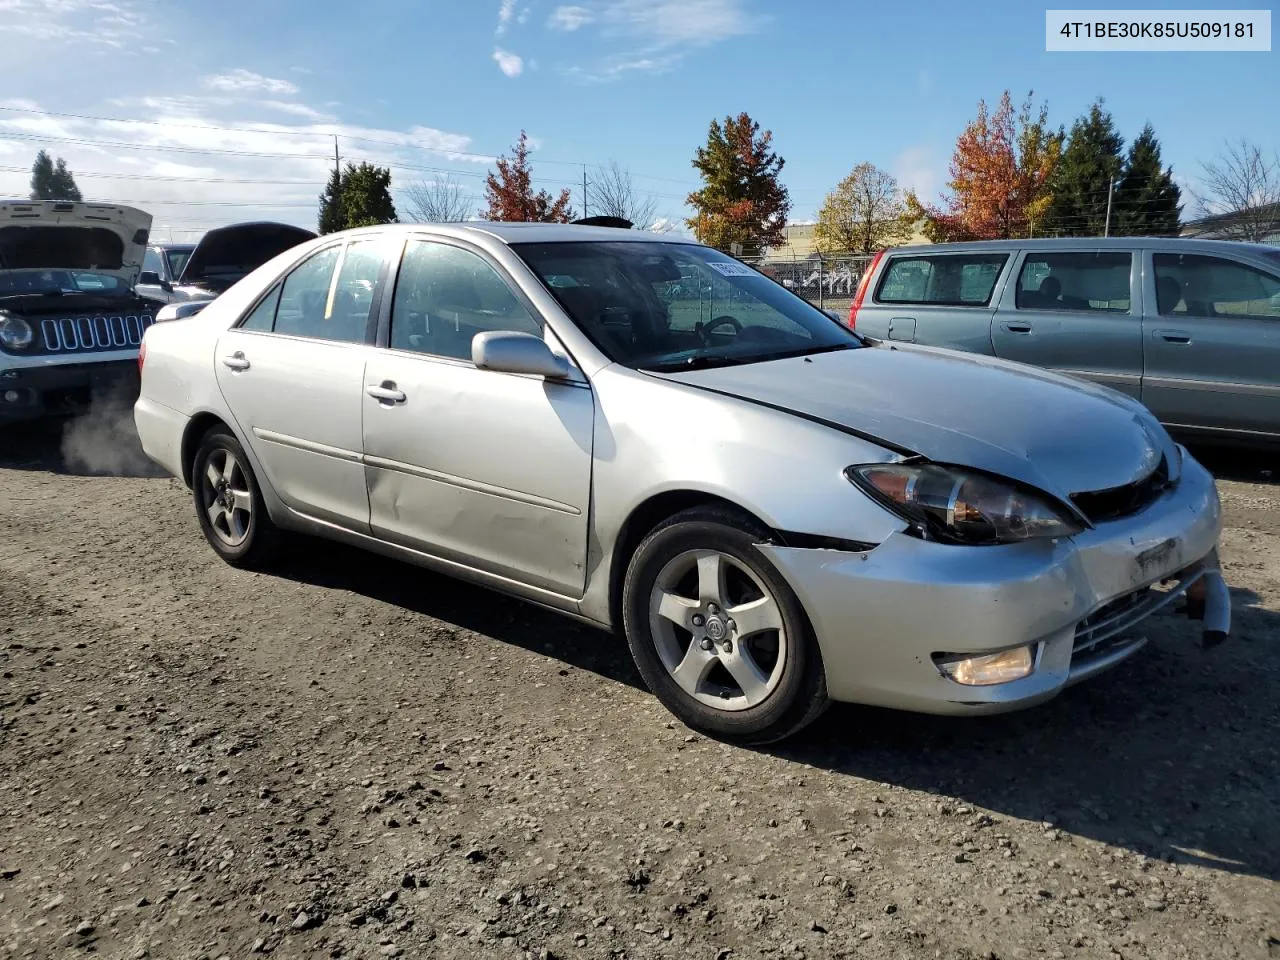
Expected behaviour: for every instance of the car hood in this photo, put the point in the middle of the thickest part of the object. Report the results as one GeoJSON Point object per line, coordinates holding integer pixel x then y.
{"type": "Point", "coordinates": [1053, 432]}
{"type": "Point", "coordinates": [64, 235]}
{"type": "Point", "coordinates": [226, 254]}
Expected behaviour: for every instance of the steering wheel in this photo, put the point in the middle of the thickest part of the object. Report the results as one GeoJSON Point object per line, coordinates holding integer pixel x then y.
{"type": "Point", "coordinates": [704, 330]}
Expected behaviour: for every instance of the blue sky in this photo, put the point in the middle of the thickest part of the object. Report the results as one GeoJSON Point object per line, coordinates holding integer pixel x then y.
{"type": "Point", "coordinates": [436, 85]}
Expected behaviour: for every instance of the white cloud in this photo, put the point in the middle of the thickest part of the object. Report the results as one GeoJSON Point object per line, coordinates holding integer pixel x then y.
{"type": "Point", "coordinates": [654, 35]}
{"type": "Point", "coordinates": [505, 13]}
{"type": "Point", "coordinates": [246, 81]}
{"type": "Point", "coordinates": [570, 18]}
{"type": "Point", "coordinates": [509, 63]}
{"type": "Point", "coordinates": [916, 169]}
{"type": "Point", "coordinates": [297, 109]}
{"type": "Point", "coordinates": [102, 23]}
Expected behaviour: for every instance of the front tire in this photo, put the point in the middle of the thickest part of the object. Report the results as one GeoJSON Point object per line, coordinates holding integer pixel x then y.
{"type": "Point", "coordinates": [229, 504]}
{"type": "Point", "coordinates": [718, 634]}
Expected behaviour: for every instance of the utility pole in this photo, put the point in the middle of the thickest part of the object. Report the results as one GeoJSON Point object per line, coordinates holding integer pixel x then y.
{"type": "Point", "coordinates": [1106, 230]}
{"type": "Point", "coordinates": [584, 191]}
{"type": "Point", "coordinates": [337, 168]}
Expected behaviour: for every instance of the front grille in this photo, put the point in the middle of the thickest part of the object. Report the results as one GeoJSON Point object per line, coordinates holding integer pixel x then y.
{"type": "Point", "coordinates": [1108, 627]}
{"type": "Point", "coordinates": [92, 334]}
{"type": "Point", "coordinates": [1112, 504]}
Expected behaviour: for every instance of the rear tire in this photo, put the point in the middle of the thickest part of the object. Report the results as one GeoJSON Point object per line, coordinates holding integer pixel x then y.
{"type": "Point", "coordinates": [229, 505]}
{"type": "Point", "coordinates": [717, 633]}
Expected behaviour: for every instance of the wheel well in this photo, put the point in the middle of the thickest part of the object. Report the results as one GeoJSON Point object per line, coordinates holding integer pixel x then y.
{"type": "Point", "coordinates": [200, 425]}
{"type": "Point", "coordinates": [640, 524]}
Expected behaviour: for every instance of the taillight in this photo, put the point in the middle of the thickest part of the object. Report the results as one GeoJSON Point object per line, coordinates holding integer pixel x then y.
{"type": "Point", "coordinates": [142, 354]}
{"type": "Point", "coordinates": [862, 289]}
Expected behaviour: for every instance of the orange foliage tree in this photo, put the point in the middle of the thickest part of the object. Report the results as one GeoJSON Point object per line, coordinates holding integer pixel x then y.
{"type": "Point", "coordinates": [510, 196]}
{"type": "Point", "coordinates": [1000, 175]}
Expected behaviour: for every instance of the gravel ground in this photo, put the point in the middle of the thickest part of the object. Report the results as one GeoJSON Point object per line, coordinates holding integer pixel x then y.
{"type": "Point", "coordinates": [356, 758]}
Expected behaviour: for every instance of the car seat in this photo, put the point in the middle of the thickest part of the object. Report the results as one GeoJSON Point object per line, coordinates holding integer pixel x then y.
{"type": "Point", "coordinates": [1168, 294]}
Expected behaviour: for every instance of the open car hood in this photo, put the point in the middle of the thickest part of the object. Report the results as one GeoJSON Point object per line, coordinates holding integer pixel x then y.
{"type": "Point", "coordinates": [64, 235]}
{"type": "Point", "coordinates": [226, 254]}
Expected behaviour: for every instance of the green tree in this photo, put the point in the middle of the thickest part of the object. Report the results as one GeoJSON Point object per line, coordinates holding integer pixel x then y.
{"type": "Point", "coordinates": [1147, 202]}
{"type": "Point", "coordinates": [864, 213]}
{"type": "Point", "coordinates": [331, 217]}
{"type": "Point", "coordinates": [1091, 162]}
{"type": "Point", "coordinates": [366, 196]}
{"type": "Point", "coordinates": [52, 181]}
{"type": "Point", "coordinates": [742, 202]}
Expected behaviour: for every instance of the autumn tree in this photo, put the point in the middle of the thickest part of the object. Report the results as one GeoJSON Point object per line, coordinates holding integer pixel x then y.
{"type": "Point", "coordinates": [1092, 161]}
{"type": "Point", "coordinates": [1000, 175]}
{"type": "Point", "coordinates": [1241, 188]}
{"type": "Point", "coordinates": [613, 194]}
{"type": "Point", "coordinates": [442, 200]}
{"type": "Point", "coordinates": [1147, 201]}
{"type": "Point", "coordinates": [52, 181]}
{"type": "Point", "coordinates": [742, 200]}
{"type": "Point", "coordinates": [509, 192]}
{"type": "Point", "coordinates": [864, 213]}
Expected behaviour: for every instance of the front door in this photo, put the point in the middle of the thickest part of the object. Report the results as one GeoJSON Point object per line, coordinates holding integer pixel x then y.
{"type": "Point", "coordinates": [1213, 344]}
{"type": "Point", "coordinates": [292, 374]}
{"type": "Point", "coordinates": [490, 470]}
{"type": "Point", "coordinates": [1075, 313]}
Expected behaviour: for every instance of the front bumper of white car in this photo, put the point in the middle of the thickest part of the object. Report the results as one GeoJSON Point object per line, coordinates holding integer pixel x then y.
{"type": "Point", "coordinates": [884, 618]}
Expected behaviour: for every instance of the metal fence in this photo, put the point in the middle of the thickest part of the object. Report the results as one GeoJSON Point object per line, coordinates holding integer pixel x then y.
{"type": "Point", "coordinates": [828, 282]}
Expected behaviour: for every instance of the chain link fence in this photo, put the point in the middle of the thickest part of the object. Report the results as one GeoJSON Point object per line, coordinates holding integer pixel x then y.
{"type": "Point", "coordinates": [828, 282]}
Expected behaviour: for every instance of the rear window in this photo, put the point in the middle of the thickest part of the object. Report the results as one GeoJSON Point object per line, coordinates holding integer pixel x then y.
{"type": "Point", "coordinates": [959, 280]}
{"type": "Point", "coordinates": [1075, 281]}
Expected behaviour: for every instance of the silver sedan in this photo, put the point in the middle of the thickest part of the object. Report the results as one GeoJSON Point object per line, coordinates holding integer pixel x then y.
{"type": "Point", "coordinates": [647, 435]}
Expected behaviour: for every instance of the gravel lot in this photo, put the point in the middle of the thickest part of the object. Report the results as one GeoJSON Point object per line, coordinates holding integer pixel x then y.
{"type": "Point", "coordinates": [355, 758]}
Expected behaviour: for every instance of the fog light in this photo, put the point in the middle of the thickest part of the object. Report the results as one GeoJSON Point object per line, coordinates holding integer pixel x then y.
{"type": "Point", "coordinates": [12, 396]}
{"type": "Point", "coordinates": [990, 669]}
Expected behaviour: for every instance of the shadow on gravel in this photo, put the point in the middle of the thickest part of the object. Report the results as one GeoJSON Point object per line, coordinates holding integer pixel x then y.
{"type": "Point", "coordinates": [434, 595]}
{"type": "Point", "coordinates": [1239, 463]}
{"type": "Point", "coordinates": [1175, 754]}
{"type": "Point", "coordinates": [101, 442]}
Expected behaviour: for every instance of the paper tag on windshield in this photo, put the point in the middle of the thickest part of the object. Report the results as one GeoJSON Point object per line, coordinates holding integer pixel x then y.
{"type": "Point", "coordinates": [731, 269]}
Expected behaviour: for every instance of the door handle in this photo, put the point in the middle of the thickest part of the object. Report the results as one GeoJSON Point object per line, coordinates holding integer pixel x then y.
{"type": "Point", "coordinates": [236, 361]}
{"type": "Point", "coordinates": [385, 392]}
{"type": "Point", "coordinates": [1016, 326]}
{"type": "Point", "coordinates": [1173, 336]}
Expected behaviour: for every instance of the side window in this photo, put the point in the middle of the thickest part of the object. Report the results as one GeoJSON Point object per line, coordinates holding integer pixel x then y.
{"type": "Point", "coordinates": [1197, 286]}
{"type": "Point", "coordinates": [316, 304]}
{"type": "Point", "coordinates": [445, 296]}
{"type": "Point", "coordinates": [153, 263]}
{"type": "Point", "coordinates": [958, 280]}
{"type": "Point", "coordinates": [1075, 281]}
{"type": "Point", "coordinates": [263, 316]}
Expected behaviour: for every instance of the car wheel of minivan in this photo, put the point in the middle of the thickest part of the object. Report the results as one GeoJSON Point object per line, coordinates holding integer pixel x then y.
{"type": "Point", "coordinates": [229, 505]}
{"type": "Point", "coordinates": [717, 633]}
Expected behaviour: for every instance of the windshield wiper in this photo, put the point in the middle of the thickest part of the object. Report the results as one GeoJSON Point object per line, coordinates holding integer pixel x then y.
{"type": "Point", "coordinates": [699, 361]}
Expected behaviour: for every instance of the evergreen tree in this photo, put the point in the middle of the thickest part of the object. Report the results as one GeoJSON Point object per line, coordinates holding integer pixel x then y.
{"type": "Point", "coordinates": [1091, 161]}
{"type": "Point", "coordinates": [331, 217]}
{"type": "Point", "coordinates": [1147, 202]}
{"type": "Point", "coordinates": [366, 196]}
{"type": "Point", "coordinates": [50, 181]}
{"type": "Point", "coordinates": [742, 200]}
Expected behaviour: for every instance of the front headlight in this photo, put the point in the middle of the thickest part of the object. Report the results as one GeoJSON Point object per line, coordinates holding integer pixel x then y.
{"type": "Point", "coordinates": [15, 332]}
{"type": "Point", "coordinates": [962, 506]}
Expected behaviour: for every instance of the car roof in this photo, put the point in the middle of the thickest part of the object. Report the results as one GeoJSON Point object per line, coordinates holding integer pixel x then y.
{"type": "Point", "coordinates": [528, 232]}
{"type": "Point", "coordinates": [1092, 243]}
{"type": "Point", "coordinates": [166, 245]}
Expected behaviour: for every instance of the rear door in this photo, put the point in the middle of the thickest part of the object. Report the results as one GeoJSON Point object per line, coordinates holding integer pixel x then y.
{"type": "Point", "coordinates": [941, 299]}
{"type": "Point", "coordinates": [1212, 332]}
{"type": "Point", "coordinates": [1076, 312]}
{"type": "Point", "coordinates": [293, 376]}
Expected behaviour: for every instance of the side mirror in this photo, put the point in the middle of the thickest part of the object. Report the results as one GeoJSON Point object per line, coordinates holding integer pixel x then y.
{"type": "Point", "coordinates": [180, 311]}
{"type": "Point", "coordinates": [149, 278]}
{"type": "Point", "coordinates": [834, 315]}
{"type": "Point", "coordinates": [507, 351]}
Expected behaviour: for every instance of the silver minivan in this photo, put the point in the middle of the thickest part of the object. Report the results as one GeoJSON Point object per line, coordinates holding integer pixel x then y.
{"type": "Point", "coordinates": [1189, 327]}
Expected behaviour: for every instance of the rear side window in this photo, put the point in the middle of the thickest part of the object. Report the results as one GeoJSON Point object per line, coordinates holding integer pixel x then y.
{"type": "Point", "coordinates": [263, 317]}
{"type": "Point", "coordinates": [1075, 281]}
{"type": "Point", "coordinates": [958, 280]}
{"type": "Point", "coordinates": [1199, 286]}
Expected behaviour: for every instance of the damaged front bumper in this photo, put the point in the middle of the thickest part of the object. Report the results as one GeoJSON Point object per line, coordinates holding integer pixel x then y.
{"type": "Point", "coordinates": [883, 618]}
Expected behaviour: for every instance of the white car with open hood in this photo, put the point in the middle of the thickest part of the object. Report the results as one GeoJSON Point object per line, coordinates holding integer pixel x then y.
{"type": "Point", "coordinates": [70, 318]}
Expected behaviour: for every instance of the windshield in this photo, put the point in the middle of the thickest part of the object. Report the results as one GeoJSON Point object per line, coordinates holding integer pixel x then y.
{"type": "Point", "coordinates": [672, 306]}
{"type": "Point", "coordinates": [177, 260]}
{"type": "Point", "coordinates": [60, 281]}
